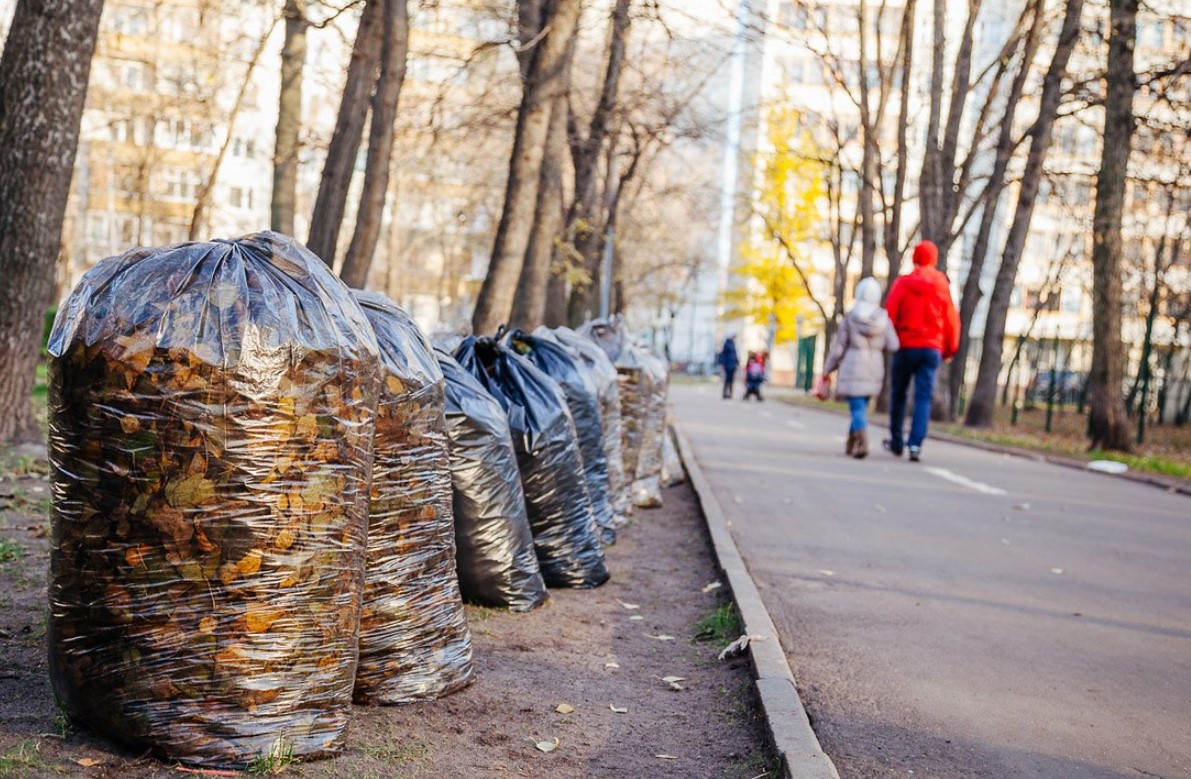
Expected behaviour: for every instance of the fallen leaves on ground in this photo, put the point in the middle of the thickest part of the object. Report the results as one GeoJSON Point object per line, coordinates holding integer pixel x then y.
{"type": "Point", "coordinates": [546, 746]}
{"type": "Point", "coordinates": [564, 708]}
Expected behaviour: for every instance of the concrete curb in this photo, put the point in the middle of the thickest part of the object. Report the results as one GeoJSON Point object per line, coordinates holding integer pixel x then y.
{"type": "Point", "coordinates": [789, 727]}
{"type": "Point", "coordinates": [1172, 484]}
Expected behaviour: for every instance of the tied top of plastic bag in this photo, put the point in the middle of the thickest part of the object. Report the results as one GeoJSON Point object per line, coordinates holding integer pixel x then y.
{"type": "Point", "coordinates": [592, 355]}
{"type": "Point", "coordinates": [556, 361]}
{"type": "Point", "coordinates": [249, 305]}
{"type": "Point", "coordinates": [609, 334]}
{"type": "Point", "coordinates": [533, 402]}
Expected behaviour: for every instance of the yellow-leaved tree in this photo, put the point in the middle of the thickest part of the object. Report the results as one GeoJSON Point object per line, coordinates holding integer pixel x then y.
{"type": "Point", "coordinates": [772, 282]}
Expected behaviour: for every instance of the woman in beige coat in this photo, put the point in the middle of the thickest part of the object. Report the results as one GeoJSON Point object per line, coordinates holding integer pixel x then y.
{"type": "Point", "coordinates": [858, 353]}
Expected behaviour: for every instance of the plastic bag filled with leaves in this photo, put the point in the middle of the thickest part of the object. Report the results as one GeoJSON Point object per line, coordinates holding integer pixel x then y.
{"type": "Point", "coordinates": [212, 410]}
{"type": "Point", "coordinates": [578, 386]}
{"type": "Point", "coordinates": [633, 388]}
{"type": "Point", "coordinates": [414, 641]}
{"type": "Point", "coordinates": [561, 519]}
{"type": "Point", "coordinates": [646, 489]}
{"type": "Point", "coordinates": [607, 388]}
{"type": "Point", "coordinates": [494, 547]}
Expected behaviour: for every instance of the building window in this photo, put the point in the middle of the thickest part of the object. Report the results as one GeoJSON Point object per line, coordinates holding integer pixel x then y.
{"type": "Point", "coordinates": [240, 197]}
{"type": "Point", "coordinates": [130, 20]}
{"type": "Point", "coordinates": [135, 76]}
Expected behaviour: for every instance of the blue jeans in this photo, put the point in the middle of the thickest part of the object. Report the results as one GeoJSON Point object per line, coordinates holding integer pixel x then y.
{"type": "Point", "coordinates": [921, 365]}
{"type": "Point", "coordinates": [859, 408]}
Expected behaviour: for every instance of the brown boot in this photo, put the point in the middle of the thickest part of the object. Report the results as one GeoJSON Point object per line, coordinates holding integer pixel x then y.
{"type": "Point", "coordinates": [851, 447]}
{"type": "Point", "coordinates": [860, 448]}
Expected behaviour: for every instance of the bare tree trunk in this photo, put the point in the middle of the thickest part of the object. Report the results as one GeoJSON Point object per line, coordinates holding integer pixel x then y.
{"type": "Point", "coordinates": [394, 49]}
{"type": "Point", "coordinates": [1107, 425]}
{"type": "Point", "coordinates": [203, 199]}
{"type": "Point", "coordinates": [327, 218]}
{"type": "Point", "coordinates": [984, 394]}
{"type": "Point", "coordinates": [971, 294]}
{"type": "Point", "coordinates": [929, 180]}
{"type": "Point", "coordinates": [869, 157]}
{"type": "Point", "coordinates": [582, 223]}
{"type": "Point", "coordinates": [43, 83]}
{"type": "Point", "coordinates": [545, 82]}
{"type": "Point", "coordinates": [529, 305]}
{"type": "Point", "coordinates": [893, 225]}
{"type": "Point", "coordinates": [289, 120]}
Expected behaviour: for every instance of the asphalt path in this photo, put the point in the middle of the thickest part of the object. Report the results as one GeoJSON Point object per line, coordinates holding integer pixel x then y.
{"type": "Point", "coordinates": [972, 615]}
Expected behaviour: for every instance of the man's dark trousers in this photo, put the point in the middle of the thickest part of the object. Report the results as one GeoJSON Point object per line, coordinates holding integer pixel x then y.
{"type": "Point", "coordinates": [921, 365]}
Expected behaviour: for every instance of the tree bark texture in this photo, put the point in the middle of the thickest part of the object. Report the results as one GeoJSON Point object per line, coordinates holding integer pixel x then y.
{"type": "Point", "coordinates": [289, 120]}
{"type": "Point", "coordinates": [394, 49]}
{"type": "Point", "coordinates": [327, 218]}
{"type": "Point", "coordinates": [1108, 425]}
{"type": "Point", "coordinates": [43, 83]}
{"type": "Point", "coordinates": [893, 226]}
{"type": "Point", "coordinates": [529, 305]}
{"type": "Point", "coordinates": [971, 294]}
{"type": "Point", "coordinates": [545, 82]}
{"type": "Point", "coordinates": [583, 219]}
{"type": "Point", "coordinates": [984, 393]}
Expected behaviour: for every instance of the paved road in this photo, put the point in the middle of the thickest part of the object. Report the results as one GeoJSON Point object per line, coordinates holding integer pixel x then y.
{"type": "Point", "coordinates": [972, 615]}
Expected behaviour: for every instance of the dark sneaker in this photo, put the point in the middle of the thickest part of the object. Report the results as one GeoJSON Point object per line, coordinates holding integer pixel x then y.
{"type": "Point", "coordinates": [887, 445]}
{"type": "Point", "coordinates": [915, 454]}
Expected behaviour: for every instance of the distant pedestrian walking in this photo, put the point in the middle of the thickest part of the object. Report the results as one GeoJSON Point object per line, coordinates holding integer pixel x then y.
{"type": "Point", "coordinates": [729, 361]}
{"type": "Point", "coordinates": [754, 375]}
{"type": "Point", "coordinates": [927, 325]}
{"type": "Point", "coordinates": [858, 353]}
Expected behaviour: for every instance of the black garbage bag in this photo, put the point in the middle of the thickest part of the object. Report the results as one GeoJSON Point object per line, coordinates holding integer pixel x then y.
{"type": "Point", "coordinates": [604, 374]}
{"type": "Point", "coordinates": [559, 363]}
{"type": "Point", "coordinates": [564, 528]}
{"type": "Point", "coordinates": [414, 641]}
{"type": "Point", "coordinates": [212, 410]}
{"type": "Point", "coordinates": [494, 554]}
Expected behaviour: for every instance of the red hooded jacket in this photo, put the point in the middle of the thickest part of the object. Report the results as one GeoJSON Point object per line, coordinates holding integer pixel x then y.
{"type": "Point", "coordinates": [921, 308]}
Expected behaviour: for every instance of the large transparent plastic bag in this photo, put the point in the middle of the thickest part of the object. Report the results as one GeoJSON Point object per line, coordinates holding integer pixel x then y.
{"type": "Point", "coordinates": [561, 519]}
{"type": "Point", "coordinates": [633, 389]}
{"type": "Point", "coordinates": [414, 641]}
{"type": "Point", "coordinates": [212, 410]}
{"type": "Point", "coordinates": [607, 386]}
{"type": "Point", "coordinates": [646, 489]}
{"type": "Point", "coordinates": [494, 546]}
{"type": "Point", "coordinates": [673, 471]}
{"type": "Point", "coordinates": [578, 386]}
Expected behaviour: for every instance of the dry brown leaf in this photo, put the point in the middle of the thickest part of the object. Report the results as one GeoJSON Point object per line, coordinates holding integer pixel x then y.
{"type": "Point", "coordinates": [564, 708]}
{"type": "Point", "coordinates": [662, 637]}
{"type": "Point", "coordinates": [666, 757]}
{"type": "Point", "coordinates": [547, 746]}
{"type": "Point", "coordinates": [713, 586]}
{"type": "Point", "coordinates": [87, 762]}
{"type": "Point", "coordinates": [630, 606]}
{"type": "Point", "coordinates": [617, 709]}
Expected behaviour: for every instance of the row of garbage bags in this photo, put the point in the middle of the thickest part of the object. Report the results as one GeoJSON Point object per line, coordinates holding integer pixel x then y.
{"type": "Point", "coordinates": [272, 495]}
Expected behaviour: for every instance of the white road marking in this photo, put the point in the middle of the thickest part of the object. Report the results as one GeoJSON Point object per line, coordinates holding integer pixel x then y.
{"type": "Point", "coordinates": [964, 481]}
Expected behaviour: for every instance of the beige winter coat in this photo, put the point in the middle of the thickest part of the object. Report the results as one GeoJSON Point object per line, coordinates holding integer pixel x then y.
{"type": "Point", "coordinates": [858, 352]}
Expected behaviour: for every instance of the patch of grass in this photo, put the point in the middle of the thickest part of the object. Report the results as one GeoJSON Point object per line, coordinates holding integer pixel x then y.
{"type": "Point", "coordinates": [480, 613]}
{"type": "Point", "coordinates": [20, 759]}
{"type": "Point", "coordinates": [1147, 463]}
{"type": "Point", "coordinates": [721, 625]}
{"type": "Point", "coordinates": [279, 757]}
{"type": "Point", "coordinates": [416, 750]}
{"type": "Point", "coordinates": [10, 550]}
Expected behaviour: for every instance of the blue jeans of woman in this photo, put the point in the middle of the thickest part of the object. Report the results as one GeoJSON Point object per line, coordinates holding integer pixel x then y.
{"type": "Point", "coordinates": [859, 408]}
{"type": "Point", "coordinates": [920, 365]}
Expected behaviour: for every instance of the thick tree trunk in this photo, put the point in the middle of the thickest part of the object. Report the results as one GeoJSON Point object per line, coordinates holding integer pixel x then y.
{"type": "Point", "coordinates": [289, 120]}
{"type": "Point", "coordinates": [198, 217]}
{"type": "Point", "coordinates": [327, 218]}
{"type": "Point", "coordinates": [529, 305]}
{"type": "Point", "coordinates": [984, 394]}
{"type": "Point", "coordinates": [893, 226]}
{"type": "Point", "coordinates": [971, 294]}
{"type": "Point", "coordinates": [545, 82]}
{"type": "Point", "coordinates": [583, 222]}
{"type": "Point", "coordinates": [870, 175]}
{"type": "Point", "coordinates": [1108, 425]}
{"type": "Point", "coordinates": [394, 49]}
{"type": "Point", "coordinates": [43, 83]}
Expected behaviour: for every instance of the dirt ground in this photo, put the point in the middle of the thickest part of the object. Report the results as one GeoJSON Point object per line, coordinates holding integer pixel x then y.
{"type": "Point", "coordinates": [583, 649]}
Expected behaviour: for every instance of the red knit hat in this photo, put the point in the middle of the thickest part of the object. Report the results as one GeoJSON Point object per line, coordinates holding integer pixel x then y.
{"type": "Point", "coordinates": [926, 253]}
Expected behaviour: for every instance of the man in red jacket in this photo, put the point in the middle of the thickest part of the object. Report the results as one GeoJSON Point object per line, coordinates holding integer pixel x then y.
{"type": "Point", "coordinates": [927, 325]}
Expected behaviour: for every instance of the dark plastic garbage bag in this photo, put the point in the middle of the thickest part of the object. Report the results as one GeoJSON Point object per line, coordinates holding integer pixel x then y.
{"type": "Point", "coordinates": [607, 387]}
{"type": "Point", "coordinates": [212, 410]}
{"type": "Point", "coordinates": [564, 529]}
{"type": "Point", "coordinates": [578, 385]}
{"type": "Point", "coordinates": [414, 641]}
{"type": "Point", "coordinates": [494, 547]}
